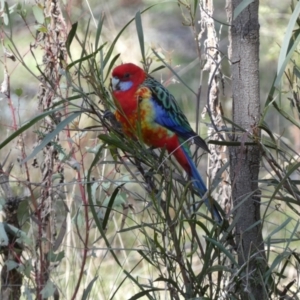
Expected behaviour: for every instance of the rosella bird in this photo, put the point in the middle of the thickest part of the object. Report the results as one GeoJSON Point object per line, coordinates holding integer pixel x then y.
{"type": "Point", "coordinates": [142, 102]}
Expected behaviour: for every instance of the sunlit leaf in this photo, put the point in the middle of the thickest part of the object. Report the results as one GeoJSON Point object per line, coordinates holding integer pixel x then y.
{"type": "Point", "coordinates": [140, 32]}
{"type": "Point", "coordinates": [48, 290]}
{"type": "Point", "coordinates": [11, 264]}
{"type": "Point", "coordinates": [55, 257]}
{"type": "Point", "coordinates": [282, 60]}
{"type": "Point", "coordinates": [22, 236]}
{"type": "Point", "coordinates": [3, 236]}
{"type": "Point", "coordinates": [38, 13]}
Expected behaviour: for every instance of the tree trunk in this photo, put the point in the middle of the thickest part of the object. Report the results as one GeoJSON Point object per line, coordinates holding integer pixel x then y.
{"type": "Point", "coordinates": [245, 160]}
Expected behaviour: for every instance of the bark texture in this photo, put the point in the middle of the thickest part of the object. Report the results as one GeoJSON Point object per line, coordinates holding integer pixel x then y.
{"type": "Point", "coordinates": [218, 153]}
{"type": "Point", "coordinates": [245, 160]}
{"type": "Point", "coordinates": [55, 55]}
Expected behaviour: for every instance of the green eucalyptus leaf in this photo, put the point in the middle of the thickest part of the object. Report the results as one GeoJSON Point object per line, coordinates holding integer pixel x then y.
{"type": "Point", "coordinates": [38, 13]}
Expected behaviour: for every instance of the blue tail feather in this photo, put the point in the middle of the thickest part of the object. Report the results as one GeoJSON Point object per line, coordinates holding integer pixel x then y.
{"type": "Point", "coordinates": [201, 187]}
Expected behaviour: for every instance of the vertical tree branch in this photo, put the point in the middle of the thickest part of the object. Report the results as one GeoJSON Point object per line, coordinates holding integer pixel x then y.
{"type": "Point", "coordinates": [218, 156]}
{"type": "Point", "coordinates": [245, 160]}
{"type": "Point", "coordinates": [55, 55]}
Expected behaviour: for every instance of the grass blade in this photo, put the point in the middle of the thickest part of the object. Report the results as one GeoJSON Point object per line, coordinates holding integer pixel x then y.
{"type": "Point", "coordinates": [140, 33]}
{"type": "Point", "coordinates": [71, 37]}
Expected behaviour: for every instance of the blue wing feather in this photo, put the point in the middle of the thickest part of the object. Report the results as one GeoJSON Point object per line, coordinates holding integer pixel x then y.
{"type": "Point", "coordinates": [164, 118]}
{"type": "Point", "coordinates": [169, 114]}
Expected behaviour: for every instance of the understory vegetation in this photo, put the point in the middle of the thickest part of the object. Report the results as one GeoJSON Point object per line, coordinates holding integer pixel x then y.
{"type": "Point", "coordinates": [87, 213]}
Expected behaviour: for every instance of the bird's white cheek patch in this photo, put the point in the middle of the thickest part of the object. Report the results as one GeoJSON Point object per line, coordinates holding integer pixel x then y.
{"type": "Point", "coordinates": [118, 85]}
{"type": "Point", "coordinates": [125, 85]}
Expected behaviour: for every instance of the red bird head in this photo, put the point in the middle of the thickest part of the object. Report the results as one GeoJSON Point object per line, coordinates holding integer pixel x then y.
{"type": "Point", "coordinates": [127, 76]}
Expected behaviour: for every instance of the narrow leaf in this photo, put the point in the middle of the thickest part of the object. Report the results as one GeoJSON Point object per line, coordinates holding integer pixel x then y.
{"type": "Point", "coordinates": [55, 257]}
{"type": "Point", "coordinates": [286, 39]}
{"type": "Point", "coordinates": [88, 289]}
{"type": "Point", "coordinates": [279, 228]}
{"type": "Point", "coordinates": [99, 30]}
{"type": "Point", "coordinates": [48, 290]}
{"type": "Point", "coordinates": [109, 52]}
{"type": "Point", "coordinates": [111, 65]}
{"type": "Point", "coordinates": [7, 13]}
{"type": "Point", "coordinates": [282, 64]}
{"type": "Point", "coordinates": [286, 177]}
{"type": "Point", "coordinates": [110, 205]}
{"type": "Point", "coordinates": [241, 7]}
{"type": "Point", "coordinates": [50, 136]}
{"type": "Point", "coordinates": [222, 249]}
{"type": "Point", "coordinates": [157, 69]}
{"type": "Point", "coordinates": [145, 293]}
{"type": "Point", "coordinates": [84, 58]}
{"type": "Point", "coordinates": [27, 125]}
{"type": "Point", "coordinates": [61, 235]}
{"type": "Point", "coordinates": [286, 115]}
{"type": "Point", "coordinates": [139, 29]}
{"type": "Point", "coordinates": [3, 236]}
{"type": "Point", "coordinates": [71, 37]}
{"type": "Point", "coordinates": [171, 69]}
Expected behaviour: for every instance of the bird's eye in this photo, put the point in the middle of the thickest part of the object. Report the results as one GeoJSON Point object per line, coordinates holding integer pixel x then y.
{"type": "Point", "coordinates": [126, 75]}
